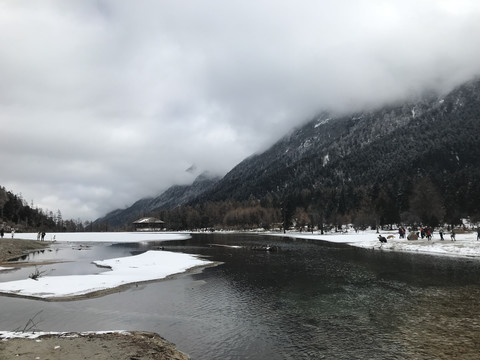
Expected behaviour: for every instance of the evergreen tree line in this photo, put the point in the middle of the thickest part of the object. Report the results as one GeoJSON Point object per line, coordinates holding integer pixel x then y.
{"type": "Point", "coordinates": [409, 202]}
{"type": "Point", "coordinates": [16, 213]}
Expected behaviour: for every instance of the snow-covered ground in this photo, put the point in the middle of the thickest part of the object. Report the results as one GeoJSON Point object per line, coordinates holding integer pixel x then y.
{"type": "Point", "coordinates": [115, 237]}
{"type": "Point", "coordinates": [5, 335]}
{"type": "Point", "coordinates": [151, 265]}
{"type": "Point", "coordinates": [466, 244]}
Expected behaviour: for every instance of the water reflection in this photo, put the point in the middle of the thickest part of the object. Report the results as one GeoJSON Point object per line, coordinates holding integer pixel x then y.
{"type": "Point", "coordinates": [65, 259]}
{"type": "Point", "coordinates": [309, 300]}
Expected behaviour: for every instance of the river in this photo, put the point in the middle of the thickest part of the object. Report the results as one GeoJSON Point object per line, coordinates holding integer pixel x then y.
{"type": "Point", "coordinates": [308, 300]}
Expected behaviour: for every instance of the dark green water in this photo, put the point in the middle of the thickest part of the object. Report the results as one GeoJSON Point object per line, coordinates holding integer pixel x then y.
{"type": "Point", "coordinates": [309, 300]}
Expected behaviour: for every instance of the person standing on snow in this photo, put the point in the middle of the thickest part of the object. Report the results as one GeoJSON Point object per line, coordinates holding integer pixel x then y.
{"type": "Point", "coordinates": [441, 231]}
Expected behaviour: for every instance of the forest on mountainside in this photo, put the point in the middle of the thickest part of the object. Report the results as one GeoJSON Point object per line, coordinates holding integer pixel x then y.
{"type": "Point", "coordinates": [381, 205]}
{"type": "Point", "coordinates": [416, 163]}
{"type": "Point", "coordinates": [16, 213]}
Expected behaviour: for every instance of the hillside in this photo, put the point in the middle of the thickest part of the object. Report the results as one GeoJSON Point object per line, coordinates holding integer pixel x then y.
{"type": "Point", "coordinates": [415, 162]}
{"type": "Point", "coordinates": [354, 163]}
{"type": "Point", "coordinates": [16, 213]}
{"type": "Point", "coordinates": [437, 134]}
{"type": "Point", "coordinates": [173, 197]}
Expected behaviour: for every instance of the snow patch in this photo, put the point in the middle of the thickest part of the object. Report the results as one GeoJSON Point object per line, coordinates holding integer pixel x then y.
{"type": "Point", "coordinates": [151, 265]}
{"type": "Point", "coordinates": [325, 160]}
{"type": "Point", "coordinates": [321, 122]}
{"type": "Point", "coordinates": [5, 335]}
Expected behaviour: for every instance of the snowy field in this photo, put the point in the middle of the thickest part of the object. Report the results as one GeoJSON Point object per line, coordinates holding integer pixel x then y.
{"type": "Point", "coordinates": [466, 244]}
{"type": "Point", "coordinates": [113, 237]}
{"type": "Point", "coordinates": [151, 265]}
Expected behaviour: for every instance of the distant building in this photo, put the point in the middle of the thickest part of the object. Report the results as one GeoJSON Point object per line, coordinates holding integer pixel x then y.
{"type": "Point", "coordinates": [148, 224]}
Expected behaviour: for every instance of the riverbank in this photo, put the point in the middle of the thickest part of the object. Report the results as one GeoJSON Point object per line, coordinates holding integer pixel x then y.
{"type": "Point", "coordinates": [464, 245]}
{"type": "Point", "coordinates": [74, 346]}
{"type": "Point", "coordinates": [82, 346]}
{"type": "Point", "coordinates": [13, 248]}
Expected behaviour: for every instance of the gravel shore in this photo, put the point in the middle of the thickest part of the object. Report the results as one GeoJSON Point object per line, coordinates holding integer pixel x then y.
{"type": "Point", "coordinates": [74, 346]}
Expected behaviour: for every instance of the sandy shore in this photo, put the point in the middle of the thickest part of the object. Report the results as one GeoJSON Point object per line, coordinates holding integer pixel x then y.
{"type": "Point", "coordinates": [74, 346]}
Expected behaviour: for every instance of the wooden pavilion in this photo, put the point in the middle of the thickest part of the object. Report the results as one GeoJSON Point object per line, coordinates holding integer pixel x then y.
{"type": "Point", "coordinates": [148, 224]}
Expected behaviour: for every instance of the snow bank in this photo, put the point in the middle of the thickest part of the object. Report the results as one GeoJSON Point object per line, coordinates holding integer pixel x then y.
{"type": "Point", "coordinates": [116, 237]}
{"type": "Point", "coordinates": [151, 265]}
{"type": "Point", "coordinates": [466, 245]}
{"type": "Point", "coordinates": [5, 335]}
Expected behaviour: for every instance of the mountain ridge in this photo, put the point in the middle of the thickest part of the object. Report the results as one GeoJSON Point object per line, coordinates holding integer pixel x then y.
{"type": "Point", "coordinates": [335, 140]}
{"type": "Point", "coordinates": [375, 154]}
{"type": "Point", "coordinates": [174, 196]}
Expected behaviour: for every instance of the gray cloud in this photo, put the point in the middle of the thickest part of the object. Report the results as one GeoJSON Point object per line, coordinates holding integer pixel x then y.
{"type": "Point", "coordinates": [104, 102]}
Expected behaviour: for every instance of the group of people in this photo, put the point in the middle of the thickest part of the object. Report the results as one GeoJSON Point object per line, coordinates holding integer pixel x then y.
{"type": "Point", "coordinates": [40, 235]}
{"type": "Point", "coordinates": [441, 231]}
{"type": "Point", "coordinates": [423, 232]}
{"type": "Point", "coordinates": [427, 232]}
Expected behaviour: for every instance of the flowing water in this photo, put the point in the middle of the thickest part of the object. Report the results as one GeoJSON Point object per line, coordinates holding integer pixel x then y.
{"type": "Point", "coordinates": [308, 300]}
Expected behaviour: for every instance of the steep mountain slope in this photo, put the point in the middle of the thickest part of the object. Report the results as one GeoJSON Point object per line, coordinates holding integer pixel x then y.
{"type": "Point", "coordinates": [371, 163]}
{"type": "Point", "coordinates": [435, 137]}
{"type": "Point", "coordinates": [174, 196]}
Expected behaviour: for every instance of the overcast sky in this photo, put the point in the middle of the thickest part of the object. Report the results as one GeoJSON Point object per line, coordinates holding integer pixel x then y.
{"type": "Point", "coordinates": [105, 102]}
